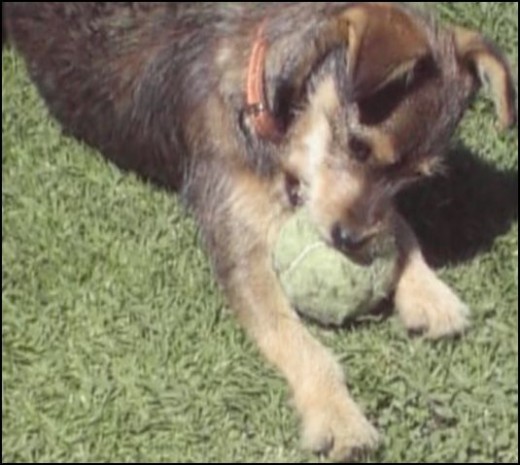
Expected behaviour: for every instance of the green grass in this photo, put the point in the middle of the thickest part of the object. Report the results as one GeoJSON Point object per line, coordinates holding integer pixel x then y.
{"type": "Point", "coordinates": [116, 344]}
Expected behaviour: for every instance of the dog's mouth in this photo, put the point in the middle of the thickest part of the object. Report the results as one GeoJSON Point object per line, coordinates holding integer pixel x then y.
{"type": "Point", "coordinates": [362, 257]}
{"type": "Point", "coordinates": [381, 246]}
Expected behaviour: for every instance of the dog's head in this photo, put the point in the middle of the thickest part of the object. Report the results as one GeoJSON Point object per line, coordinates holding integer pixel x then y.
{"type": "Point", "coordinates": [382, 104]}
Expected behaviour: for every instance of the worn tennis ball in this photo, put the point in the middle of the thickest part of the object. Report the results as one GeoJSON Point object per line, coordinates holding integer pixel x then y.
{"type": "Point", "coordinates": [322, 283]}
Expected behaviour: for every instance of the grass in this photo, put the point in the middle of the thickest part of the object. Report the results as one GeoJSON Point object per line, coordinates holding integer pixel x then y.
{"type": "Point", "coordinates": [117, 346]}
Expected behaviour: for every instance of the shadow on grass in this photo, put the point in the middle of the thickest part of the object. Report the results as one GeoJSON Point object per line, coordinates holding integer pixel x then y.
{"type": "Point", "coordinates": [460, 215]}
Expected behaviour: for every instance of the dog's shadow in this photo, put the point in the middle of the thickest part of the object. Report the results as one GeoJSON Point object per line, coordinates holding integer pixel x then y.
{"type": "Point", "coordinates": [461, 214]}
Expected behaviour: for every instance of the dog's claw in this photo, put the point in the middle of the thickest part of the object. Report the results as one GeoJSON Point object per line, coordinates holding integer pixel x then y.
{"type": "Point", "coordinates": [340, 432]}
{"type": "Point", "coordinates": [428, 306]}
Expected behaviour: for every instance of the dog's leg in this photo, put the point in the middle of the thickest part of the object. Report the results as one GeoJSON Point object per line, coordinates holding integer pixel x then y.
{"type": "Point", "coordinates": [332, 422]}
{"type": "Point", "coordinates": [424, 302]}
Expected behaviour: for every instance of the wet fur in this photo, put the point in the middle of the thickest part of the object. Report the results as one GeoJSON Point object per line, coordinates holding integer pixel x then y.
{"type": "Point", "coordinates": [158, 89]}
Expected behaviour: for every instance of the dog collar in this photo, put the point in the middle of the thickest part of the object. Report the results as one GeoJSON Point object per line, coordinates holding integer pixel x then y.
{"type": "Point", "coordinates": [263, 121]}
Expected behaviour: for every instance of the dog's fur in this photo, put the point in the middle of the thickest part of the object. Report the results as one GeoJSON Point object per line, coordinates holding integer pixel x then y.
{"type": "Point", "coordinates": [363, 96]}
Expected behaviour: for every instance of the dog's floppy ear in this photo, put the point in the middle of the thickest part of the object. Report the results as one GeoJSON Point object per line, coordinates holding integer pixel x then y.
{"type": "Point", "coordinates": [383, 44]}
{"type": "Point", "coordinates": [489, 68]}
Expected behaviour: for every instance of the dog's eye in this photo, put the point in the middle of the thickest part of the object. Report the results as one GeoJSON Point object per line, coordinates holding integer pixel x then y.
{"type": "Point", "coordinates": [359, 150]}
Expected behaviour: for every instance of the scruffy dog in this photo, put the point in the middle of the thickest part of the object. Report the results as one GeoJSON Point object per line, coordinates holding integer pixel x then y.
{"type": "Point", "coordinates": [252, 110]}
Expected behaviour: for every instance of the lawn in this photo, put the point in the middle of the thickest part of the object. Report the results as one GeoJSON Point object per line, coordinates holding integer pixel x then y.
{"type": "Point", "coordinates": [117, 345]}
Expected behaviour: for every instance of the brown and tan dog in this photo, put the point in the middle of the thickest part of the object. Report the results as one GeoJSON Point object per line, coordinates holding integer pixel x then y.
{"type": "Point", "coordinates": [251, 110]}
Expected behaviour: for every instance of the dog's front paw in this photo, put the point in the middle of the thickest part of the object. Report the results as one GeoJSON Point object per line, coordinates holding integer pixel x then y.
{"type": "Point", "coordinates": [427, 305]}
{"type": "Point", "coordinates": [338, 429]}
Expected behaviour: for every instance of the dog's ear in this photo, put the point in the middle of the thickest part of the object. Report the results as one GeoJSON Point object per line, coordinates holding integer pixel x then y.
{"type": "Point", "coordinates": [384, 42]}
{"type": "Point", "coordinates": [490, 68]}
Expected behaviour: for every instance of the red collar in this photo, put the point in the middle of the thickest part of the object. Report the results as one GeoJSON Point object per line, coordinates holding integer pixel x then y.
{"type": "Point", "coordinates": [263, 120]}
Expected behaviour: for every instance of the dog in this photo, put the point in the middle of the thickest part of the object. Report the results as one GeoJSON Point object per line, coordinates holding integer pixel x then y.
{"type": "Point", "coordinates": [251, 111]}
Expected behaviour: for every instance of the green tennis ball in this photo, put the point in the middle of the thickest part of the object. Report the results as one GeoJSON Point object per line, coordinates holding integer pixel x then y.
{"type": "Point", "coordinates": [322, 283]}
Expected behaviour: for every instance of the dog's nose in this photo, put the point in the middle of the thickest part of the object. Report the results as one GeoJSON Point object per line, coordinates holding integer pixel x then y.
{"type": "Point", "coordinates": [346, 240]}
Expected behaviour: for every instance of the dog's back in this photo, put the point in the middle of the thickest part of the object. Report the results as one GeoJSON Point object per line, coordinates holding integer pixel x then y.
{"type": "Point", "coordinates": [121, 76]}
